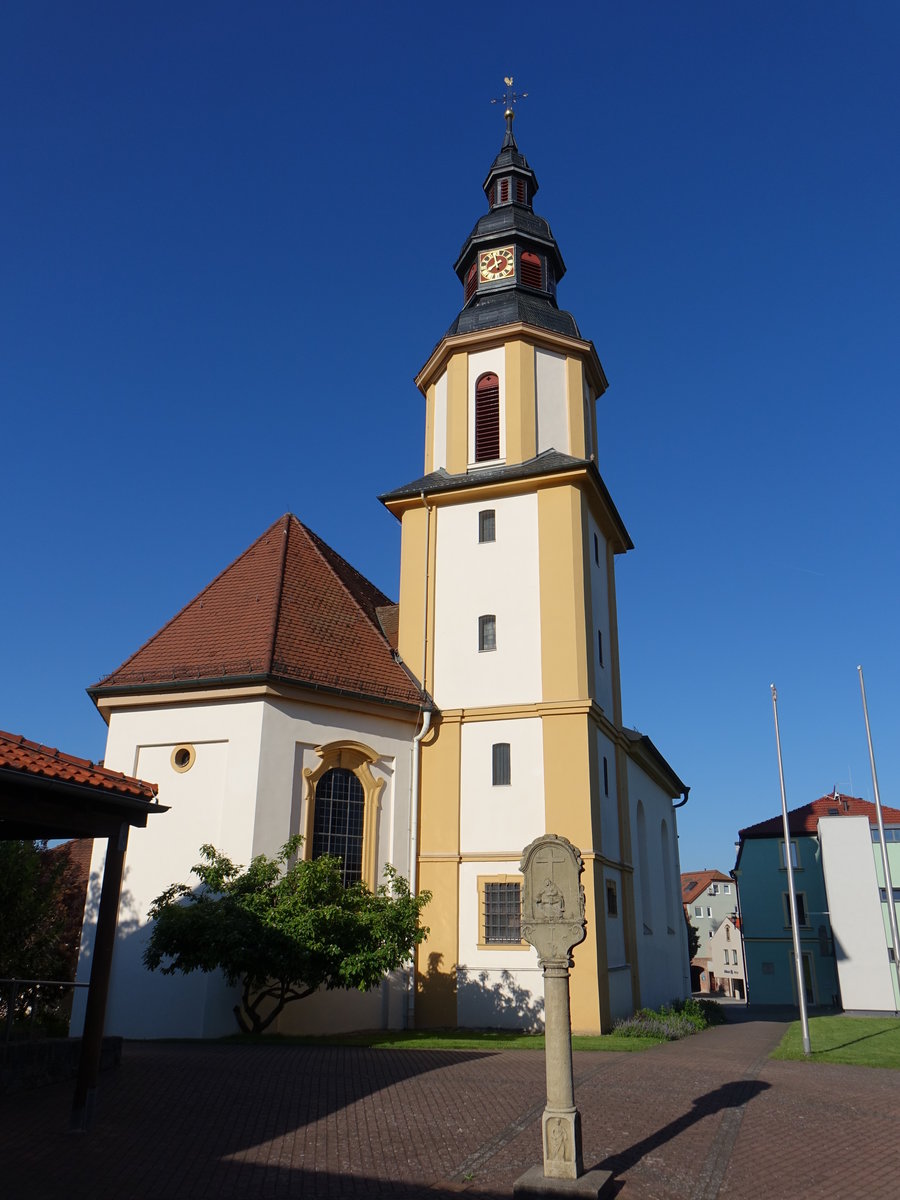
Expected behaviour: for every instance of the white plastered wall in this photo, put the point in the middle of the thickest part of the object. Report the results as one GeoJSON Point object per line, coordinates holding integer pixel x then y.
{"type": "Point", "coordinates": [662, 955]}
{"type": "Point", "coordinates": [609, 807]}
{"type": "Point", "coordinates": [599, 580]}
{"type": "Point", "coordinates": [440, 423]}
{"type": "Point", "coordinates": [552, 415]}
{"type": "Point", "coordinates": [855, 909]}
{"type": "Point", "coordinates": [244, 795]}
{"type": "Point", "coordinates": [473, 579]}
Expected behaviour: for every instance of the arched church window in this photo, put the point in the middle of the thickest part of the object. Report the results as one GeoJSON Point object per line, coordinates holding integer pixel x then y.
{"type": "Point", "coordinates": [531, 270]}
{"type": "Point", "coordinates": [338, 824]}
{"type": "Point", "coordinates": [487, 418]}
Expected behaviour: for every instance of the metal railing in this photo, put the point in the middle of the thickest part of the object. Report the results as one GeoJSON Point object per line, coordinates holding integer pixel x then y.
{"type": "Point", "coordinates": [31, 1005]}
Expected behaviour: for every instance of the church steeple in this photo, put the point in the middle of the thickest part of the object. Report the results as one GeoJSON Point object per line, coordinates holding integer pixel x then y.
{"type": "Point", "coordinates": [510, 264]}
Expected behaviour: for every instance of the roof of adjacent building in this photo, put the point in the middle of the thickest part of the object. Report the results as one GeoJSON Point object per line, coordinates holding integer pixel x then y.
{"type": "Point", "coordinates": [695, 883]}
{"type": "Point", "coordinates": [27, 759]}
{"type": "Point", "coordinates": [288, 609]}
{"type": "Point", "coordinates": [805, 820]}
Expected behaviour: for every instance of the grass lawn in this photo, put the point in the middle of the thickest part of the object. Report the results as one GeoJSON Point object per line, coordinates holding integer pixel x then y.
{"type": "Point", "coordinates": [456, 1040]}
{"type": "Point", "coordinates": [859, 1041]}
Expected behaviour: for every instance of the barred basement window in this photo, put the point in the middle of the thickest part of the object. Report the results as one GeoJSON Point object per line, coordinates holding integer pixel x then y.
{"type": "Point", "coordinates": [503, 913]}
{"type": "Point", "coordinates": [530, 270]}
{"type": "Point", "coordinates": [500, 770]}
{"type": "Point", "coordinates": [487, 525]}
{"type": "Point", "coordinates": [487, 633]}
{"type": "Point", "coordinates": [338, 825]}
{"type": "Point", "coordinates": [487, 418]}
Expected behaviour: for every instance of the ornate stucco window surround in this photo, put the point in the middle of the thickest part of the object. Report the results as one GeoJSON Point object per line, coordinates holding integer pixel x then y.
{"type": "Point", "coordinates": [357, 758]}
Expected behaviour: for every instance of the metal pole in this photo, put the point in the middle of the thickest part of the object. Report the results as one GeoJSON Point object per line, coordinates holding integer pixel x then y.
{"type": "Point", "coordinates": [798, 961]}
{"type": "Point", "coordinates": [888, 885]}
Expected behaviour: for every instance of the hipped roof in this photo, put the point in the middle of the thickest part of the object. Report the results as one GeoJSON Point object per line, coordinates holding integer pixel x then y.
{"type": "Point", "coordinates": [288, 609]}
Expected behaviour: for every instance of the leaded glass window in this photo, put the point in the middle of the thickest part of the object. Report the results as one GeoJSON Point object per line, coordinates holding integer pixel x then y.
{"type": "Point", "coordinates": [338, 821]}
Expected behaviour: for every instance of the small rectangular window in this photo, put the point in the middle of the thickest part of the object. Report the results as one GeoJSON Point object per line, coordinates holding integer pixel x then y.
{"type": "Point", "coordinates": [596, 550]}
{"type": "Point", "coordinates": [600, 645]}
{"type": "Point", "coordinates": [795, 857]}
{"type": "Point", "coordinates": [727, 889]}
{"type": "Point", "coordinates": [487, 527]}
{"type": "Point", "coordinates": [502, 913]}
{"type": "Point", "coordinates": [612, 899]}
{"type": "Point", "coordinates": [487, 633]}
{"type": "Point", "coordinates": [709, 912]}
{"type": "Point", "coordinates": [698, 910]}
{"type": "Point", "coordinates": [734, 957]}
{"type": "Point", "coordinates": [605, 776]}
{"type": "Point", "coordinates": [500, 773]}
{"type": "Point", "coordinates": [802, 917]}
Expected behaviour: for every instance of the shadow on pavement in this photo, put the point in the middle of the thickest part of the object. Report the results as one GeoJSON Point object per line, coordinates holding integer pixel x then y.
{"type": "Point", "coordinates": [729, 1095]}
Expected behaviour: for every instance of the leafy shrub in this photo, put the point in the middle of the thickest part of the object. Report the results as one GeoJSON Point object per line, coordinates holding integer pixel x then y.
{"type": "Point", "coordinates": [672, 1021]}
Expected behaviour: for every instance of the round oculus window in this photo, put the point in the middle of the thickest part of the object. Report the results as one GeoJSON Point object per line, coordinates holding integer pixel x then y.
{"type": "Point", "coordinates": [183, 758]}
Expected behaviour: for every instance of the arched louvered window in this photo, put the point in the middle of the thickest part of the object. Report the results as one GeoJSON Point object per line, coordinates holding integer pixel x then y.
{"type": "Point", "coordinates": [471, 281]}
{"type": "Point", "coordinates": [530, 269]}
{"type": "Point", "coordinates": [338, 822]}
{"type": "Point", "coordinates": [487, 418]}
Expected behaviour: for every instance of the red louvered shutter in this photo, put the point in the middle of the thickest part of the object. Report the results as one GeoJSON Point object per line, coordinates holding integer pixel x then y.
{"type": "Point", "coordinates": [520, 191]}
{"type": "Point", "coordinates": [504, 190]}
{"type": "Point", "coordinates": [470, 283]}
{"type": "Point", "coordinates": [531, 270]}
{"type": "Point", "coordinates": [487, 418]}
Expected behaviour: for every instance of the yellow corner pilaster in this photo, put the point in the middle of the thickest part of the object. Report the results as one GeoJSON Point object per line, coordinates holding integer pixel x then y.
{"type": "Point", "coordinates": [589, 981]}
{"type": "Point", "coordinates": [458, 413]}
{"type": "Point", "coordinates": [579, 437]}
{"type": "Point", "coordinates": [429, 430]}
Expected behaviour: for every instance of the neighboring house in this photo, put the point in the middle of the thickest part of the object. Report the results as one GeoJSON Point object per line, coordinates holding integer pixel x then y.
{"type": "Point", "coordinates": [843, 920]}
{"type": "Point", "coordinates": [724, 972]}
{"type": "Point", "coordinates": [708, 896]}
{"type": "Point", "coordinates": [444, 734]}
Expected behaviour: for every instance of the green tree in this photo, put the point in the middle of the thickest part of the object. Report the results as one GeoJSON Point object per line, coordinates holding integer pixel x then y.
{"type": "Point", "coordinates": [283, 927]}
{"type": "Point", "coordinates": [39, 932]}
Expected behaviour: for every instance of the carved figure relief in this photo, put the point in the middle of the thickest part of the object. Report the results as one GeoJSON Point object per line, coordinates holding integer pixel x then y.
{"type": "Point", "coordinates": [558, 1146]}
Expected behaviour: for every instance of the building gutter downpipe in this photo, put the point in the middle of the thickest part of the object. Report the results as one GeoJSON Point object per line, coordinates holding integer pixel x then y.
{"type": "Point", "coordinates": [684, 798]}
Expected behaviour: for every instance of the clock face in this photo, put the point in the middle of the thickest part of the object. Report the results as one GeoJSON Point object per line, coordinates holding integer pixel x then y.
{"type": "Point", "coordinates": [496, 264]}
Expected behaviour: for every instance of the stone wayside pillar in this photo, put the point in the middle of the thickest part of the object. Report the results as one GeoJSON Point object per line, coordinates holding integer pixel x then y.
{"type": "Point", "coordinates": [553, 922]}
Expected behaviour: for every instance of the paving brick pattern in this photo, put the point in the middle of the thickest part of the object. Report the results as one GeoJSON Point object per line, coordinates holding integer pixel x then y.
{"type": "Point", "coordinates": [705, 1118]}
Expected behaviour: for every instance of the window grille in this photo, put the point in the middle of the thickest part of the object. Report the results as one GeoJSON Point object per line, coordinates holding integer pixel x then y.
{"type": "Point", "coordinates": [487, 525]}
{"type": "Point", "coordinates": [487, 632]}
{"type": "Point", "coordinates": [503, 912]}
{"type": "Point", "coordinates": [500, 763]}
{"type": "Point", "coordinates": [487, 418]}
{"type": "Point", "coordinates": [338, 821]}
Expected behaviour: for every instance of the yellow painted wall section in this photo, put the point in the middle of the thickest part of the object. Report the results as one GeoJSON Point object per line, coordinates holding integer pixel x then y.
{"type": "Point", "coordinates": [437, 957]}
{"type": "Point", "coordinates": [575, 400]}
{"type": "Point", "coordinates": [521, 435]}
{"type": "Point", "coordinates": [458, 413]}
{"type": "Point", "coordinates": [564, 655]}
{"type": "Point", "coordinates": [589, 980]}
{"type": "Point", "coordinates": [439, 806]}
{"type": "Point", "coordinates": [429, 430]}
{"type": "Point", "coordinates": [567, 776]}
{"type": "Point", "coordinates": [412, 588]}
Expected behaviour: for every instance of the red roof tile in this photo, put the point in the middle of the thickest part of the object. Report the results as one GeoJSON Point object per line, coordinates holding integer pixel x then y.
{"type": "Point", "coordinates": [695, 883]}
{"type": "Point", "coordinates": [30, 758]}
{"type": "Point", "coordinates": [289, 608]}
{"type": "Point", "coordinates": [806, 819]}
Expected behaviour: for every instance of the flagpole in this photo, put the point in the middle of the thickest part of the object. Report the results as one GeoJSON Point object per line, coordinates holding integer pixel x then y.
{"type": "Point", "coordinates": [798, 961]}
{"type": "Point", "coordinates": [888, 886]}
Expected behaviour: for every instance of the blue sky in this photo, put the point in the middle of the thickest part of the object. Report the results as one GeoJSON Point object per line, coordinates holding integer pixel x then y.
{"type": "Point", "coordinates": [226, 236]}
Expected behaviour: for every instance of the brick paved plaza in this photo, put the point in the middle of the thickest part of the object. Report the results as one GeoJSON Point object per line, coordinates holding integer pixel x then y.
{"type": "Point", "coordinates": [710, 1116]}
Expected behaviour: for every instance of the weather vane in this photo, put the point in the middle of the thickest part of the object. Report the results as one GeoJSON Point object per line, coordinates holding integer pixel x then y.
{"type": "Point", "coordinates": [508, 99]}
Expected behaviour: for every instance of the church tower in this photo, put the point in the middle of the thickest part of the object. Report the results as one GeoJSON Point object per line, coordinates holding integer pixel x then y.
{"type": "Point", "coordinates": [508, 619]}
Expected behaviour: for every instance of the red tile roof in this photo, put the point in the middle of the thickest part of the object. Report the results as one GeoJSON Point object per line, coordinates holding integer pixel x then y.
{"type": "Point", "coordinates": [805, 820]}
{"type": "Point", "coordinates": [695, 883]}
{"type": "Point", "coordinates": [17, 754]}
{"type": "Point", "coordinates": [290, 609]}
